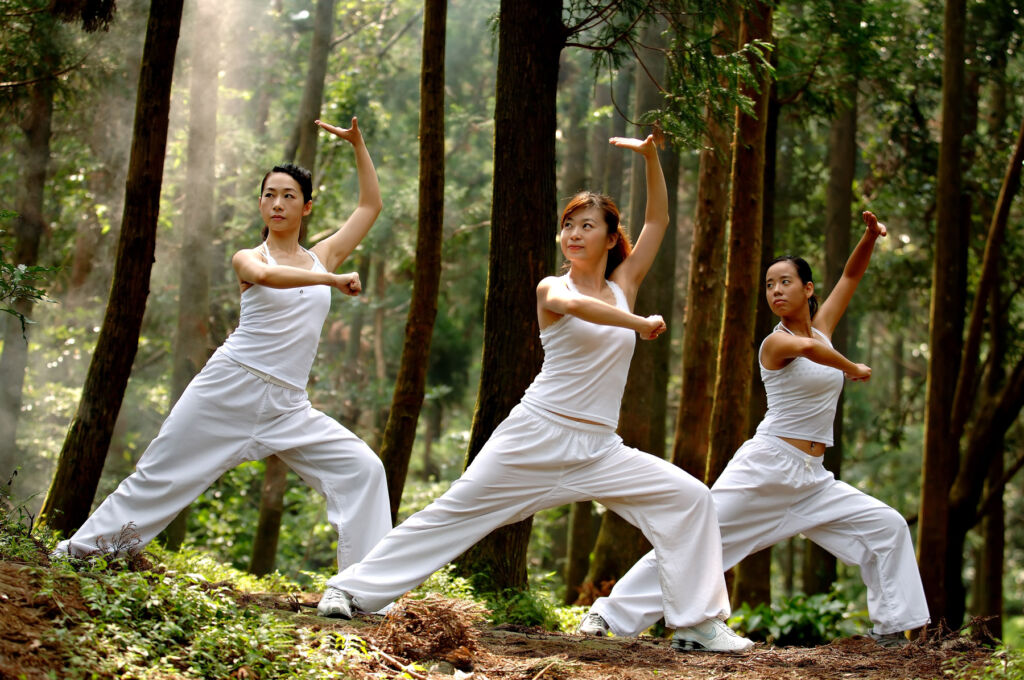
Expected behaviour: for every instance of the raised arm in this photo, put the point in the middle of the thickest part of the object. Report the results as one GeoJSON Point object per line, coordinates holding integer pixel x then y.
{"type": "Point", "coordinates": [838, 300]}
{"type": "Point", "coordinates": [630, 274]}
{"type": "Point", "coordinates": [555, 300]}
{"type": "Point", "coordinates": [334, 249]}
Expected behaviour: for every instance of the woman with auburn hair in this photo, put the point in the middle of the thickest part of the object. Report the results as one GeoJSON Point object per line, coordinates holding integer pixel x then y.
{"type": "Point", "coordinates": [559, 445]}
{"type": "Point", "coordinates": [776, 487]}
{"type": "Point", "coordinates": [250, 401]}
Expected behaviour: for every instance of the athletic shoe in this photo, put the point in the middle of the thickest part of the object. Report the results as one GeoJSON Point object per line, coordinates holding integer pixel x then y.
{"type": "Point", "coordinates": [890, 640]}
{"type": "Point", "coordinates": [593, 624]}
{"type": "Point", "coordinates": [335, 603]}
{"type": "Point", "coordinates": [712, 635]}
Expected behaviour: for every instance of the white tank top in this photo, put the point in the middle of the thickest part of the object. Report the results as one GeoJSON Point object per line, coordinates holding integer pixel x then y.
{"type": "Point", "coordinates": [802, 397]}
{"type": "Point", "coordinates": [585, 366]}
{"type": "Point", "coordinates": [279, 328]}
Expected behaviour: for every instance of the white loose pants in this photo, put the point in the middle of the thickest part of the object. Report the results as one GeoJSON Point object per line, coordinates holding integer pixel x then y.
{"type": "Point", "coordinates": [536, 460]}
{"type": "Point", "coordinates": [769, 492]}
{"type": "Point", "coordinates": [228, 416]}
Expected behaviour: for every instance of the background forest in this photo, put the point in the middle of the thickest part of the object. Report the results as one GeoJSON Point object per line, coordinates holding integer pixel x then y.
{"type": "Point", "coordinates": [908, 109]}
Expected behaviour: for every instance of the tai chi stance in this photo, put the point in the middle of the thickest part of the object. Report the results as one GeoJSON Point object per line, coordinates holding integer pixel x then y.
{"type": "Point", "coordinates": [559, 445]}
{"type": "Point", "coordinates": [249, 401]}
{"type": "Point", "coordinates": [776, 487]}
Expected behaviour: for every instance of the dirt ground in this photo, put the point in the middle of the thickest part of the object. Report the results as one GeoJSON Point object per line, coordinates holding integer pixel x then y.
{"type": "Point", "coordinates": [449, 638]}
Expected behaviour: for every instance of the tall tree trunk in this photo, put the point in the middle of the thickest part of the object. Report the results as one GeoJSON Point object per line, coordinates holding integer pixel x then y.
{"type": "Point", "coordinates": [29, 228]}
{"type": "Point", "coordinates": [941, 450]}
{"type": "Point", "coordinates": [192, 338]}
{"type": "Point", "coordinates": [600, 131]}
{"type": "Point", "coordinates": [400, 431]}
{"type": "Point", "coordinates": [614, 169]}
{"type": "Point", "coordinates": [523, 220]}
{"type": "Point", "coordinates": [268, 525]}
{"type": "Point", "coordinates": [705, 283]}
{"type": "Point", "coordinates": [820, 565]}
{"type": "Point", "coordinates": [736, 344]}
{"type": "Point", "coordinates": [81, 458]}
{"type": "Point", "coordinates": [573, 162]}
{"type": "Point", "coordinates": [752, 576]}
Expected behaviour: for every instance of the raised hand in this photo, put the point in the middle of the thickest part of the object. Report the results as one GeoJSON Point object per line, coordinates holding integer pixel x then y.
{"type": "Point", "coordinates": [873, 225]}
{"type": "Point", "coordinates": [642, 146]}
{"type": "Point", "coordinates": [351, 135]}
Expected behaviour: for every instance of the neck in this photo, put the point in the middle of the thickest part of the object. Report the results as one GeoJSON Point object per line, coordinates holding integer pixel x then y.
{"type": "Point", "coordinates": [587, 277]}
{"type": "Point", "coordinates": [799, 325]}
{"type": "Point", "coordinates": [284, 242]}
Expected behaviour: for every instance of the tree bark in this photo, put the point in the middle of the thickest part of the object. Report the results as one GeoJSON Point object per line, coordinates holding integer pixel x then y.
{"type": "Point", "coordinates": [268, 526]}
{"type": "Point", "coordinates": [736, 344]}
{"type": "Point", "coordinates": [705, 283]}
{"type": "Point", "coordinates": [400, 430]}
{"type": "Point", "coordinates": [81, 458]}
{"type": "Point", "coordinates": [523, 221]}
{"type": "Point", "coordinates": [192, 338]}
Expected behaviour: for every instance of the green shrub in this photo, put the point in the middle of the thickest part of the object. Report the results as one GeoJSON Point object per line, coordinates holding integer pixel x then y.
{"type": "Point", "coordinates": [800, 620]}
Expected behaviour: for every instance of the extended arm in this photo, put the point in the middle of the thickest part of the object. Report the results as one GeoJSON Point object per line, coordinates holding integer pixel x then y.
{"type": "Point", "coordinates": [554, 300]}
{"type": "Point", "coordinates": [334, 249]}
{"type": "Point", "coordinates": [835, 305]}
{"type": "Point", "coordinates": [780, 348]}
{"type": "Point", "coordinates": [251, 269]}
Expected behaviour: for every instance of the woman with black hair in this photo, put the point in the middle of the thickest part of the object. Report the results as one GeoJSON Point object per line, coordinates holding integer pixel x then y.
{"type": "Point", "coordinates": [250, 401]}
{"type": "Point", "coordinates": [776, 487]}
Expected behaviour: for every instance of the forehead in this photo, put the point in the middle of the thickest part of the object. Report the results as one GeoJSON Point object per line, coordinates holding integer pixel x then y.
{"type": "Point", "coordinates": [780, 270]}
{"type": "Point", "coordinates": [590, 212]}
{"type": "Point", "coordinates": [281, 181]}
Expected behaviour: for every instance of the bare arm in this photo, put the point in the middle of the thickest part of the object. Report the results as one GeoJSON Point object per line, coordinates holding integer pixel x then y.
{"type": "Point", "coordinates": [835, 305]}
{"type": "Point", "coordinates": [251, 269]}
{"type": "Point", "coordinates": [336, 248]}
{"type": "Point", "coordinates": [630, 274]}
{"type": "Point", "coordinates": [555, 300]}
{"type": "Point", "coordinates": [780, 348]}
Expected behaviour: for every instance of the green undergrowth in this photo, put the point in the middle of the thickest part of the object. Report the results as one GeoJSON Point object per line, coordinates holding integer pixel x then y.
{"type": "Point", "coordinates": [805, 620]}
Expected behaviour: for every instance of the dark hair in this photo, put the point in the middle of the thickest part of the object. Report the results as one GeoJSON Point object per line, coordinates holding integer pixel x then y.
{"type": "Point", "coordinates": [305, 180]}
{"type": "Point", "coordinates": [803, 270]}
{"type": "Point", "coordinates": [588, 199]}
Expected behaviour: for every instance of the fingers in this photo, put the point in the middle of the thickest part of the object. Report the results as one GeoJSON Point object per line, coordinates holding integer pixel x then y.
{"type": "Point", "coordinates": [873, 224]}
{"type": "Point", "coordinates": [344, 133]}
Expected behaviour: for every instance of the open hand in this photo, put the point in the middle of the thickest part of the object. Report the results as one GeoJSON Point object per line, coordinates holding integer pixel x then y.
{"type": "Point", "coordinates": [873, 225]}
{"type": "Point", "coordinates": [351, 135]}
{"type": "Point", "coordinates": [641, 146]}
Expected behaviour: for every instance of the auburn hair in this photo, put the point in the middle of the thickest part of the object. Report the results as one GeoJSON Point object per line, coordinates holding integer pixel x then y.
{"type": "Point", "coordinates": [589, 199]}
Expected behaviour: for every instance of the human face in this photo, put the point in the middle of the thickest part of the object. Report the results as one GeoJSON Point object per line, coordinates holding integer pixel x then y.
{"type": "Point", "coordinates": [281, 204]}
{"type": "Point", "coordinates": [786, 293]}
{"type": "Point", "coordinates": [584, 235]}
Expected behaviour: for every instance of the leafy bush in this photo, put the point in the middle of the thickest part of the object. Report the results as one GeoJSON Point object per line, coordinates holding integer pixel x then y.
{"type": "Point", "coordinates": [1005, 664]}
{"type": "Point", "coordinates": [800, 620]}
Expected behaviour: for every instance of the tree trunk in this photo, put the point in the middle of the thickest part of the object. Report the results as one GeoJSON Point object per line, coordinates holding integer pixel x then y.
{"type": "Point", "coordinates": [302, 145]}
{"type": "Point", "coordinates": [29, 228]}
{"type": "Point", "coordinates": [573, 161]}
{"type": "Point", "coordinates": [523, 210]}
{"type": "Point", "coordinates": [736, 344]}
{"type": "Point", "coordinates": [706, 280]}
{"type": "Point", "coordinates": [577, 560]}
{"type": "Point", "coordinates": [192, 339]}
{"type": "Point", "coordinates": [752, 576]}
{"type": "Point", "coordinates": [600, 131]}
{"type": "Point", "coordinates": [81, 458]}
{"type": "Point", "coordinates": [268, 526]}
{"type": "Point", "coordinates": [820, 565]}
{"type": "Point", "coordinates": [614, 169]}
{"type": "Point", "coordinates": [400, 430]}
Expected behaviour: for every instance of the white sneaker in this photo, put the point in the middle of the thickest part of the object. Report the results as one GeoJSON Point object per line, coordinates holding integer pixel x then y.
{"type": "Point", "coordinates": [712, 635]}
{"type": "Point", "coordinates": [593, 624]}
{"type": "Point", "coordinates": [335, 603]}
{"type": "Point", "coordinates": [891, 640]}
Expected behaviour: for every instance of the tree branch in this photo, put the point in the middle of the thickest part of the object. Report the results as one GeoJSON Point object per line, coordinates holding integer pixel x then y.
{"type": "Point", "coordinates": [11, 84]}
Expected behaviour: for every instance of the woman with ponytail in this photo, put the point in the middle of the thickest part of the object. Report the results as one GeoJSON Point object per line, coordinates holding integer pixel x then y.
{"type": "Point", "coordinates": [559, 445]}
{"type": "Point", "coordinates": [776, 487]}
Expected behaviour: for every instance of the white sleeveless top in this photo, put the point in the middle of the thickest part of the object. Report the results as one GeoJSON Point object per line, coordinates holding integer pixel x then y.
{"type": "Point", "coordinates": [279, 328]}
{"type": "Point", "coordinates": [585, 366]}
{"type": "Point", "coordinates": [802, 397]}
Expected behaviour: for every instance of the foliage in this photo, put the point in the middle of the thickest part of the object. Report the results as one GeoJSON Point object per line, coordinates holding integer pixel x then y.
{"type": "Point", "coordinates": [800, 620]}
{"type": "Point", "coordinates": [16, 281]}
{"type": "Point", "coordinates": [1004, 664]}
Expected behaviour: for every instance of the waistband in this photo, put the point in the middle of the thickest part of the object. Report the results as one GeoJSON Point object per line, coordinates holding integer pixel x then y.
{"type": "Point", "coordinates": [562, 421]}
{"type": "Point", "coordinates": [782, 446]}
{"type": "Point", "coordinates": [265, 377]}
